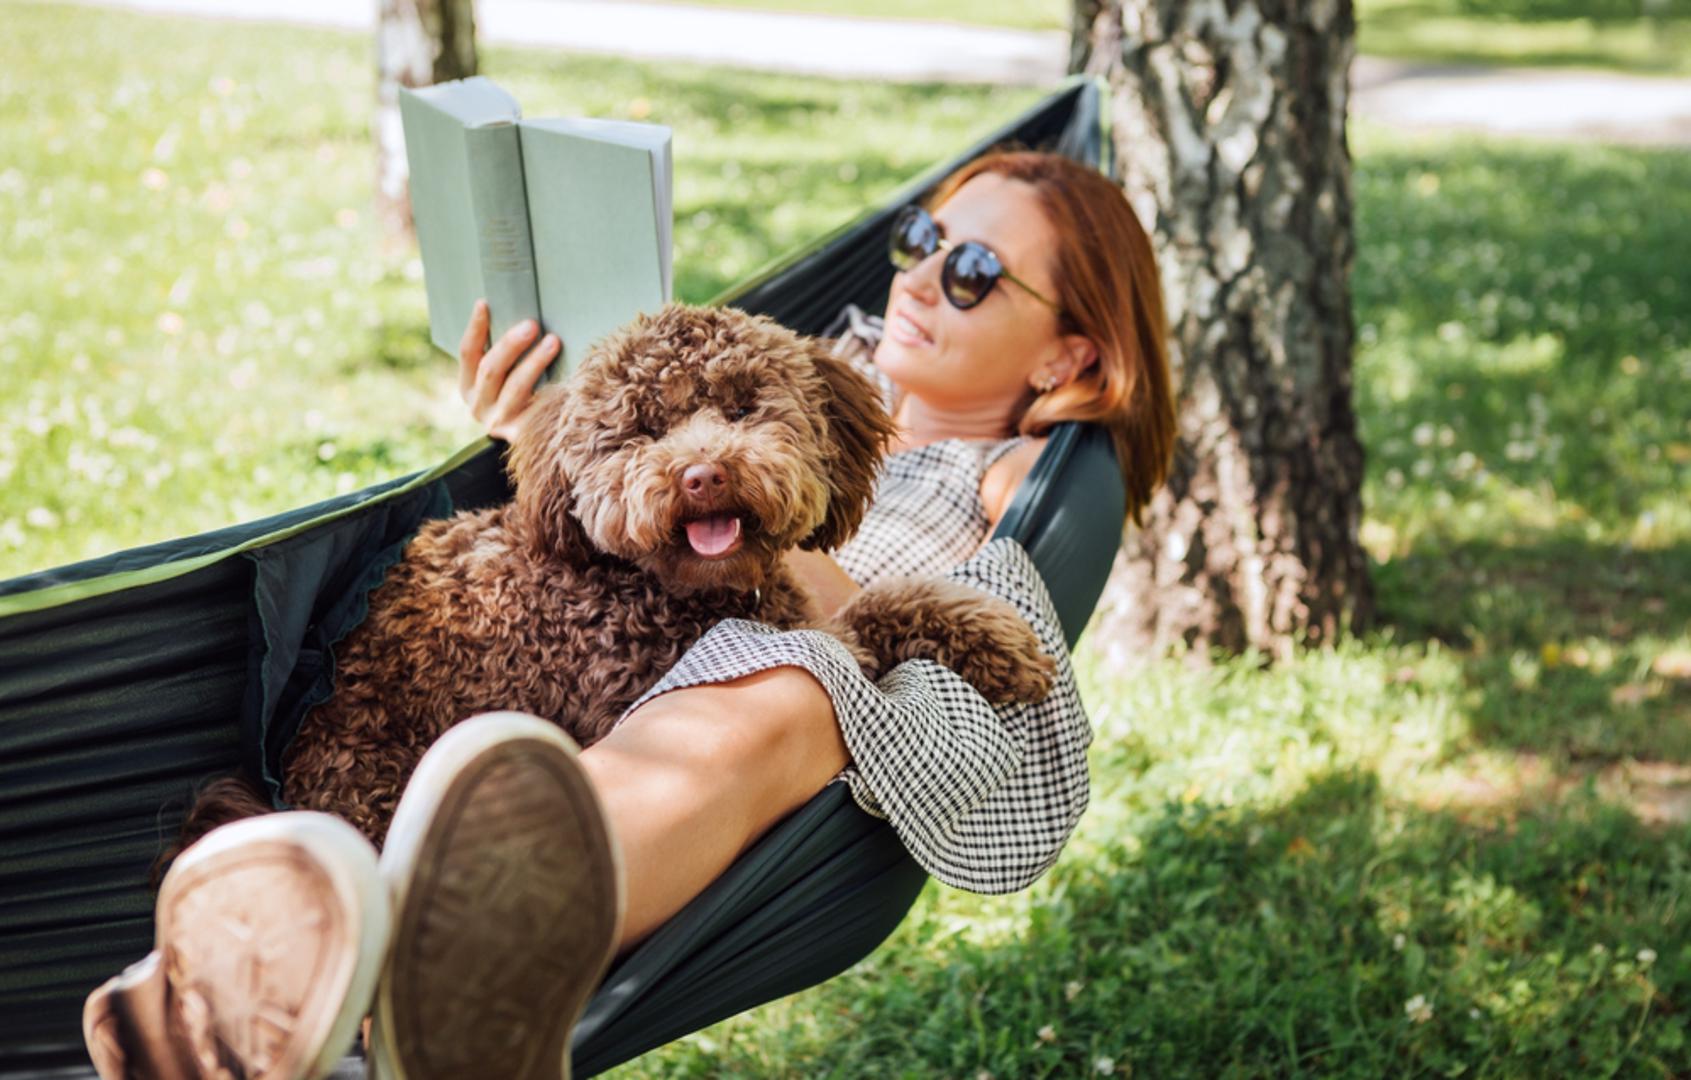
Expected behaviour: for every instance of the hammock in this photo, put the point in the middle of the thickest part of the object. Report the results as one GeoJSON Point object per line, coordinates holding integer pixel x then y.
{"type": "Point", "coordinates": [125, 680]}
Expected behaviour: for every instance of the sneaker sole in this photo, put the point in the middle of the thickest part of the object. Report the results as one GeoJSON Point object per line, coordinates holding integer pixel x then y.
{"type": "Point", "coordinates": [271, 934]}
{"type": "Point", "coordinates": [507, 900]}
{"type": "Point", "coordinates": [124, 1029]}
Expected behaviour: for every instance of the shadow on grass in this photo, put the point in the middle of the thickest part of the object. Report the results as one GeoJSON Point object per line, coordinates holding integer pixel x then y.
{"type": "Point", "coordinates": [1334, 935]}
{"type": "Point", "coordinates": [1556, 640]}
{"type": "Point", "coordinates": [1524, 348]}
{"type": "Point", "coordinates": [1523, 387]}
{"type": "Point", "coordinates": [1443, 224]}
{"type": "Point", "coordinates": [1498, 595]}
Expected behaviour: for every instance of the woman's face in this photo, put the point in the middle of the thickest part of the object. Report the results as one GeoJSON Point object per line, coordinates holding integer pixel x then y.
{"type": "Point", "coordinates": [988, 355]}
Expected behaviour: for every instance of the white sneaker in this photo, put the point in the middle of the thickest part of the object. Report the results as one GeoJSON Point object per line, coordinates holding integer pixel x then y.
{"type": "Point", "coordinates": [270, 935]}
{"type": "Point", "coordinates": [507, 903]}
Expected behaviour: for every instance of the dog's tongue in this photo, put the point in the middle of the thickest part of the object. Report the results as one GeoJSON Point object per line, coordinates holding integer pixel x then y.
{"type": "Point", "coordinates": [713, 535]}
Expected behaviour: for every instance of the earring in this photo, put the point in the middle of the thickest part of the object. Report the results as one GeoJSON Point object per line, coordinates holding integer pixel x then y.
{"type": "Point", "coordinates": [1046, 384]}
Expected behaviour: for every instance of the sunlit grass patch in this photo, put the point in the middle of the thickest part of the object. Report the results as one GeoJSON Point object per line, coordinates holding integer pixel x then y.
{"type": "Point", "coordinates": [1457, 32]}
{"type": "Point", "coordinates": [1336, 933]}
{"type": "Point", "coordinates": [195, 325]}
{"type": "Point", "coordinates": [1525, 355]}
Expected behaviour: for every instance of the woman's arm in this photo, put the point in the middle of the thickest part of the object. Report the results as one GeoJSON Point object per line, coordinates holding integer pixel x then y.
{"type": "Point", "coordinates": [822, 577]}
{"type": "Point", "coordinates": [998, 486]}
{"type": "Point", "coordinates": [497, 385]}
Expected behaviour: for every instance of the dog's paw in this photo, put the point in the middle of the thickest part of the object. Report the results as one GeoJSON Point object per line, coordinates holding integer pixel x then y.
{"type": "Point", "coordinates": [980, 637]}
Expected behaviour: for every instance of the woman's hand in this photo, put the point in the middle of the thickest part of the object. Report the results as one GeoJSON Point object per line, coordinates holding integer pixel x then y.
{"type": "Point", "coordinates": [821, 575]}
{"type": "Point", "coordinates": [497, 385]}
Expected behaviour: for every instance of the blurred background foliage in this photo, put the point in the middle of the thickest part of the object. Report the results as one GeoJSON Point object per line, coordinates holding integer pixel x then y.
{"type": "Point", "coordinates": [1649, 37]}
{"type": "Point", "coordinates": [1530, 10]}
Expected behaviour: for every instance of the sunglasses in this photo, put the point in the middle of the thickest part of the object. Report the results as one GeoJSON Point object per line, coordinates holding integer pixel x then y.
{"type": "Point", "coordinates": [971, 268]}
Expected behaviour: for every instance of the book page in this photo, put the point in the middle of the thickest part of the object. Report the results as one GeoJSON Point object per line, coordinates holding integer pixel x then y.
{"type": "Point", "coordinates": [599, 218]}
{"type": "Point", "coordinates": [446, 126]}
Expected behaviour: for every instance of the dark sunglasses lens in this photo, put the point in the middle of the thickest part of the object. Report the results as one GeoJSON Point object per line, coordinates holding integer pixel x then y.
{"type": "Point", "coordinates": [914, 237]}
{"type": "Point", "coordinates": [971, 270]}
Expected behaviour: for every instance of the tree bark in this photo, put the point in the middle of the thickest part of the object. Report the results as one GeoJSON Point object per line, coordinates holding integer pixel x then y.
{"type": "Point", "coordinates": [418, 43]}
{"type": "Point", "coordinates": [1229, 122]}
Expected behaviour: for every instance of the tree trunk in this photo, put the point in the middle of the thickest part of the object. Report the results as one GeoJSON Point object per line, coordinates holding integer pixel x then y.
{"type": "Point", "coordinates": [418, 43]}
{"type": "Point", "coordinates": [1229, 120]}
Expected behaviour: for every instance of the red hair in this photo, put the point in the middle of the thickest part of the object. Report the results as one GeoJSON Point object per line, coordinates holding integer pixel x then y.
{"type": "Point", "coordinates": [1107, 283]}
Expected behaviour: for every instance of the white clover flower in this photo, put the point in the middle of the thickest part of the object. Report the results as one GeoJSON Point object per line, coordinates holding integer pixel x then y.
{"type": "Point", "coordinates": [1072, 989]}
{"type": "Point", "coordinates": [1398, 942]}
{"type": "Point", "coordinates": [1104, 1066]}
{"type": "Point", "coordinates": [1418, 1009]}
{"type": "Point", "coordinates": [1646, 956]}
{"type": "Point", "coordinates": [1047, 1034]}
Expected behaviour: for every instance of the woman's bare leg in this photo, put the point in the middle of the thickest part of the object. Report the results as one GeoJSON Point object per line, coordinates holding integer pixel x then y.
{"type": "Point", "coordinates": [694, 776]}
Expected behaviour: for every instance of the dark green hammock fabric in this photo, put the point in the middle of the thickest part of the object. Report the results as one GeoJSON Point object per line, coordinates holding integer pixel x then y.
{"type": "Point", "coordinates": [126, 680]}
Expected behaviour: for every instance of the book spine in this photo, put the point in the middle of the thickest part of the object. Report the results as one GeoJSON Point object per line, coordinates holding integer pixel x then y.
{"type": "Point", "coordinates": [500, 205]}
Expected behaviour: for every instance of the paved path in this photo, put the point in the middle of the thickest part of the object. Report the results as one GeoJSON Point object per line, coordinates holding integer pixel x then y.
{"type": "Point", "coordinates": [1576, 104]}
{"type": "Point", "coordinates": [1517, 101]}
{"type": "Point", "coordinates": [810, 44]}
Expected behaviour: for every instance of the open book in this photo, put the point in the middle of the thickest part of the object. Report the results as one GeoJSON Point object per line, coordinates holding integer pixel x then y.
{"type": "Point", "coordinates": [563, 221]}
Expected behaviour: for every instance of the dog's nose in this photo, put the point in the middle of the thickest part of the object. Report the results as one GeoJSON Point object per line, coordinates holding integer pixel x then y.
{"type": "Point", "coordinates": [705, 480]}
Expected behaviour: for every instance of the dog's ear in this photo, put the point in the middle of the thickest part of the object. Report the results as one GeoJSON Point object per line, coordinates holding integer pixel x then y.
{"type": "Point", "coordinates": [536, 468]}
{"type": "Point", "coordinates": [859, 427]}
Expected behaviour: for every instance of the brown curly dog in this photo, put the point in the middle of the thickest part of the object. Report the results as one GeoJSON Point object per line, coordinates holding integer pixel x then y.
{"type": "Point", "coordinates": [656, 493]}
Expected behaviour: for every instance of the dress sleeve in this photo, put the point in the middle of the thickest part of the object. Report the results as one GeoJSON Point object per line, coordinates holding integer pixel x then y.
{"type": "Point", "coordinates": [983, 797]}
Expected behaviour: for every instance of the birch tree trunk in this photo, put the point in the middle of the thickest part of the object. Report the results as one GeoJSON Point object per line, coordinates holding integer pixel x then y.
{"type": "Point", "coordinates": [418, 43]}
{"type": "Point", "coordinates": [1229, 119]}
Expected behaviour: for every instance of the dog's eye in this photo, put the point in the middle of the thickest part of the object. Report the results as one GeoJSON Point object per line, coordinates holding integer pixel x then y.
{"type": "Point", "coordinates": [736, 413]}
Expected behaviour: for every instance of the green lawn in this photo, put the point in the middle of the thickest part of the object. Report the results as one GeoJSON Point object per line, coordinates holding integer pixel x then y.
{"type": "Point", "coordinates": [194, 327]}
{"type": "Point", "coordinates": [1014, 14]}
{"type": "Point", "coordinates": [1431, 852]}
{"type": "Point", "coordinates": [1561, 33]}
{"type": "Point", "coordinates": [1450, 32]}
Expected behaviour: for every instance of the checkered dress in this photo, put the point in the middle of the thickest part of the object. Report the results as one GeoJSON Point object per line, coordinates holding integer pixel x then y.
{"type": "Point", "coordinates": [984, 798]}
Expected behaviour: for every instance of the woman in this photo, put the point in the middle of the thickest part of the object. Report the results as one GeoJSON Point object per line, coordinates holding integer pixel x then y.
{"type": "Point", "coordinates": [1029, 296]}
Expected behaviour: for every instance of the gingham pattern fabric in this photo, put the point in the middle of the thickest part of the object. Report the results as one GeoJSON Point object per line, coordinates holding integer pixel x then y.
{"type": "Point", "coordinates": [984, 798]}
{"type": "Point", "coordinates": [927, 515]}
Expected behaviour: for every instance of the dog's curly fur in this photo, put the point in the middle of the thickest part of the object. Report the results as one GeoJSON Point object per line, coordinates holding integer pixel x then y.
{"type": "Point", "coordinates": [978, 636]}
{"type": "Point", "coordinates": [582, 591]}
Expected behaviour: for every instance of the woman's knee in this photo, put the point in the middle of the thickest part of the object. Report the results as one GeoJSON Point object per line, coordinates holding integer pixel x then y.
{"type": "Point", "coordinates": [784, 711]}
{"type": "Point", "coordinates": [781, 717]}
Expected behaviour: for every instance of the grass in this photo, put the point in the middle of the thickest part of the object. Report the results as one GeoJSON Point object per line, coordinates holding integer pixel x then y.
{"type": "Point", "coordinates": [195, 328]}
{"type": "Point", "coordinates": [1484, 33]}
{"type": "Point", "coordinates": [1455, 847]}
{"type": "Point", "coordinates": [1011, 14]}
{"type": "Point", "coordinates": [1560, 33]}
